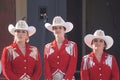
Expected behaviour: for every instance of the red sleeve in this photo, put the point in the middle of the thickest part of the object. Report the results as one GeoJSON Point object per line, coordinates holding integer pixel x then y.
{"type": "Point", "coordinates": [72, 65]}
{"type": "Point", "coordinates": [84, 70]}
{"type": "Point", "coordinates": [47, 71]}
{"type": "Point", "coordinates": [115, 69]}
{"type": "Point", "coordinates": [6, 66]}
{"type": "Point", "coordinates": [38, 69]}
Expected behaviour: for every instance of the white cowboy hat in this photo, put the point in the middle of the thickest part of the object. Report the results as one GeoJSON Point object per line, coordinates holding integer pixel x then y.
{"type": "Point", "coordinates": [21, 25]}
{"type": "Point", "coordinates": [58, 21]}
{"type": "Point", "coordinates": [98, 34]}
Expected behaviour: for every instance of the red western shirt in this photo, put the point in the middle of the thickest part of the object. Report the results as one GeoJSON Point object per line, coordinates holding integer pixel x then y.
{"type": "Point", "coordinates": [106, 69]}
{"type": "Point", "coordinates": [15, 64]}
{"type": "Point", "coordinates": [63, 60]}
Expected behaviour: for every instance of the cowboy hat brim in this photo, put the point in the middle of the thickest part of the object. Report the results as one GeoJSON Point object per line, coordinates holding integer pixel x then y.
{"type": "Point", "coordinates": [31, 30]}
{"type": "Point", "coordinates": [67, 25]}
{"type": "Point", "coordinates": [108, 40]}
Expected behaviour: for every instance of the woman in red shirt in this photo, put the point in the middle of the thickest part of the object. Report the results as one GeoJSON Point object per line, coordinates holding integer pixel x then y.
{"type": "Point", "coordinates": [98, 64]}
{"type": "Point", "coordinates": [60, 55]}
{"type": "Point", "coordinates": [21, 61]}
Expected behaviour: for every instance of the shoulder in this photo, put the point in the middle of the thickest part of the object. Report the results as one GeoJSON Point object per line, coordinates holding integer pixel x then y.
{"type": "Point", "coordinates": [34, 52]}
{"type": "Point", "coordinates": [111, 57]}
{"type": "Point", "coordinates": [71, 42]}
{"type": "Point", "coordinates": [8, 47]}
{"type": "Point", "coordinates": [107, 55]}
{"type": "Point", "coordinates": [7, 50]}
{"type": "Point", "coordinates": [31, 46]}
{"type": "Point", "coordinates": [48, 45]}
{"type": "Point", "coordinates": [87, 57]}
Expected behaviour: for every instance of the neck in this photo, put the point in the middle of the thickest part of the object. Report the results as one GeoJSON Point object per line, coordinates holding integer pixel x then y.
{"type": "Point", "coordinates": [60, 39]}
{"type": "Point", "coordinates": [21, 44]}
{"type": "Point", "coordinates": [98, 52]}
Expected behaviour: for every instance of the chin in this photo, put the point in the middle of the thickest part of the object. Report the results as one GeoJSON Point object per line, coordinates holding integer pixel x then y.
{"type": "Point", "coordinates": [57, 35]}
{"type": "Point", "coordinates": [96, 48]}
{"type": "Point", "coordinates": [20, 41]}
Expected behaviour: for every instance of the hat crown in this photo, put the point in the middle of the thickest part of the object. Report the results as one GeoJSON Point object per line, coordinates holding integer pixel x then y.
{"type": "Point", "coordinates": [21, 24]}
{"type": "Point", "coordinates": [58, 20]}
{"type": "Point", "coordinates": [99, 33]}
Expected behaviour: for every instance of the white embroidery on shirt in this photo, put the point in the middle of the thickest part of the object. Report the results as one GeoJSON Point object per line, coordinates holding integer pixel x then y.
{"type": "Point", "coordinates": [15, 54]}
{"type": "Point", "coordinates": [108, 61]}
{"type": "Point", "coordinates": [49, 49]}
{"type": "Point", "coordinates": [70, 48]}
{"type": "Point", "coordinates": [34, 53]}
{"type": "Point", "coordinates": [12, 53]}
{"type": "Point", "coordinates": [91, 63]}
{"type": "Point", "coordinates": [85, 60]}
{"type": "Point", "coordinates": [88, 62]}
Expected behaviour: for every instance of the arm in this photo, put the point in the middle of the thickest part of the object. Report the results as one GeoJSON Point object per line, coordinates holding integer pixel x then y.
{"type": "Point", "coordinates": [6, 66]}
{"type": "Point", "coordinates": [72, 65]}
{"type": "Point", "coordinates": [47, 71]}
{"type": "Point", "coordinates": [38, 69]}
{"type": "Point", "coordinates": [84, 70]}
{"type": "Point", "coordinates": [115, 69]}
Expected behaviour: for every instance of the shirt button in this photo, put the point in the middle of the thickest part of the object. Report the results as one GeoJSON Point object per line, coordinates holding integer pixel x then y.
{"type": "Point", "coordinates": [57, 62]}
{"type": "Point", "coordinates": [25, 67]}
{"type": "Point", "coordinates": [25, 60]}
{"type": "Point", "coordinates": [99, 68]}
{"type": "Point", "coordinates": [100, 74]}
{"type": "Point", "coordinates": [58, 56]}
{"type": "Point", "coordinates": [100, 79]}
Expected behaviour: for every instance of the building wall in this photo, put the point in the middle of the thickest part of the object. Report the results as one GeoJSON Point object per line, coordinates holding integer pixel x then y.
{"type": "Point", "coordinates": [52, 8]}
{"type": "Point", "coordinates": [74, 14]}
{"type": "Point", "coordinates": [70, 10]}
{"type": "Point", "coordinates": [21, 9]}
{"type": "Point", "coordinates": [7, 16]}
{"type": "Point", "coordinates": [100, 14]}
{"type": "Point", "coordinates": [104, 14]}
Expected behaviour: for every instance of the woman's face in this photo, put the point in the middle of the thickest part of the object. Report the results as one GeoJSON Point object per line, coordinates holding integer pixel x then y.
{"type": "Point", "coordinates": [58, 30]}
{"type": "Point", "coordinates": [21, 35]}
{"type": "Point", "coordinates": [98, 44]}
